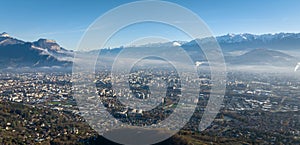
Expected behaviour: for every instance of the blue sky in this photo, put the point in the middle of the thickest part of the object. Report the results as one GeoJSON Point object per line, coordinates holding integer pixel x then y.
{"type": "Point", "coordinates": [66, 20]}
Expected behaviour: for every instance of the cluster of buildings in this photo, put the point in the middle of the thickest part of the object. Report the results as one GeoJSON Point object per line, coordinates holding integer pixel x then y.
{"type": "Point", "coordinates": [252, 93]}
{"type": "Point", "coordinates": [40, 89]}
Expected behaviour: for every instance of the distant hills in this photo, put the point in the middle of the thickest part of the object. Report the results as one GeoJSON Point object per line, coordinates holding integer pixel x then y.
{"type": "Point", "coordinates": [238, 49]}
{"type": "Point", "coordinates": [263, 57]}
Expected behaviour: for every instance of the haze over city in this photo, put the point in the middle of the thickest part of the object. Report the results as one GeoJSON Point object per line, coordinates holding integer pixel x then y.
{"type": "Point", "coordinates": [151, 83]}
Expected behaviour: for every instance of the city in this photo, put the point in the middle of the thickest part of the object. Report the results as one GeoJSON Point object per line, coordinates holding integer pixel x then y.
{"type": "Point", "coordinates": [260, 110]}
{"type": "Point", "coordinates": [140, 72]}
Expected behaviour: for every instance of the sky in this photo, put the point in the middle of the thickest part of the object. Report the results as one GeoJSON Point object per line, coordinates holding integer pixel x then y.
{"type": "Point", "coordinates": [66, 20]}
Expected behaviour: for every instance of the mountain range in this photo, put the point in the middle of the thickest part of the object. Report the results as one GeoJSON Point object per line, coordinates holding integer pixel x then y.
{"type": "Point", "coordinates": [41, 53]}
{"type": "Point", "coordinates": [239, 49]}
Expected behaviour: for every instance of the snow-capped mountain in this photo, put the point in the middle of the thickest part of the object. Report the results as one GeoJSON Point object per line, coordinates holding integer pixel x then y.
{"type": "Point", "coordinates": [246, 37]}
{"type": "Point", "coordinates": [247, 42]}
{"type": "Point", "coordinates": [266, 49]}
{"type": "Point", "coordinates": [233, 38]}
{"type": "Point", "coordinates": [50, 45]}
{"type": "Point", "coordinates": [17, 53]}
{"type": "Point", "coordinates": [4, 34]}
{"type": "Point", "coordinates": [5, 39]}
{"type": "Point", "coordinates": [164, 44]}
{"type": "Point", "coordinates": [248, 49]}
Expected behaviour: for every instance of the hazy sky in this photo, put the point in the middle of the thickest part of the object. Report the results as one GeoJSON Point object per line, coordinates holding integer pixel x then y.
{"type": "Point", "coordinates": [66, 20]}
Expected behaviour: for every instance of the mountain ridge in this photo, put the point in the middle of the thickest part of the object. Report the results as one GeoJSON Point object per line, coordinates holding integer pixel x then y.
{"type": "Point", "coordinates": [18, 53]}
{"type": "Point", "coordinates": [265, 49]}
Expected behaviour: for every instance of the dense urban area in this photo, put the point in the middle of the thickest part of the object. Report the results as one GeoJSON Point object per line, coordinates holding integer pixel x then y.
{"type": "Point", "coordinates": [258, 108]}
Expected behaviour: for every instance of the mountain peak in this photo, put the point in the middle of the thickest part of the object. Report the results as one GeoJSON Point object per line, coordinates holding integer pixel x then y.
{"type": "Point", "coordinates": [46, 40]}
{"type": "Point", "coordinates": [4, 34]}
{"type": "Point", "coordinates": [5, 39]}
{"type": "Point", "coordinates": [48, 44]}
